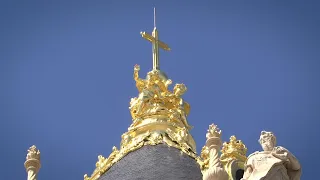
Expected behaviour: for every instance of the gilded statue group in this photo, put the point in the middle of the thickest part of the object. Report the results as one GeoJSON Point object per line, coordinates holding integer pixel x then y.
{"type": "Point", "coordinates": [155, 98]}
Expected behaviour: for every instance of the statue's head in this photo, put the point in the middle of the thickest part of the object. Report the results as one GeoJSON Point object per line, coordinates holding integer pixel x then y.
{"type": "Point", "coordinates": [179, 89]}
{"type": "Point", "coordinates": [267, 140]}
{"type": "Point", "coordinates": [152, 76]}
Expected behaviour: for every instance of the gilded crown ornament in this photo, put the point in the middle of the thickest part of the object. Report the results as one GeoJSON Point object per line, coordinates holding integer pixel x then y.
{"type": "Point", "coordinates": [159, 115]}
{"type": "Point", "coordinates": [233, 150]}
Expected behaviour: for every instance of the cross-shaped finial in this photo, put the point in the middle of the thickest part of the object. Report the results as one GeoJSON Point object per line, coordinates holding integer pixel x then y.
{"type": "Point", "coordinates": [156, 43]}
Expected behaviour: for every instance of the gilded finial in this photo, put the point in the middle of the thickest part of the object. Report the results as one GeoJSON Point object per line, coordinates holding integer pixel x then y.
{"type": "Point", "coordinates": [156, 43]}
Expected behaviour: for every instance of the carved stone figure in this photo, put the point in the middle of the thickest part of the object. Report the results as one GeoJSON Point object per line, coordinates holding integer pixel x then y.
{"type": "Point", "coordinates": [273, 163]}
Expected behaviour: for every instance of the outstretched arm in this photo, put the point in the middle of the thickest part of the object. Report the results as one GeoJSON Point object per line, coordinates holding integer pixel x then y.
{"type": "Point", "coordinates": [168, 82]}
{"type": "Point", "coordinates": [286, 155]}
{"type": "Point", "coordinates": [136, 72]}
{"type": "Point", "coordinates": [294, 163]}
{"type": "Point", "coordinates": [140, 83]}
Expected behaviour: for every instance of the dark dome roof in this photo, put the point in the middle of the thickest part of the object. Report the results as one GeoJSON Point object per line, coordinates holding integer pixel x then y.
{"type": "Point", "coordinates": [158, 162]}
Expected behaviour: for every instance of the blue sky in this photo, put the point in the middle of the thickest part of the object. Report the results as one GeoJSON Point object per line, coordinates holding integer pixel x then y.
{"type": "Point", "coordinates": [66, 75]}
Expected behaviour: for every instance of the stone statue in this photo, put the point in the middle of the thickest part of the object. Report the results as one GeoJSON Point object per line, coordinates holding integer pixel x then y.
{"type": "Point", "coordinates": [273, 163]}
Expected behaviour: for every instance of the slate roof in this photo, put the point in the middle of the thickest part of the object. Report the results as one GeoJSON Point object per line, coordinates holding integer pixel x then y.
{"type": "Point", "coordinates": [158, 162]}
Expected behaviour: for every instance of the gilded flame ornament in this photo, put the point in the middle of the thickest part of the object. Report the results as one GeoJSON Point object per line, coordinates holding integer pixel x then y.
{"type": "Point", "coordinates": [32, 163]}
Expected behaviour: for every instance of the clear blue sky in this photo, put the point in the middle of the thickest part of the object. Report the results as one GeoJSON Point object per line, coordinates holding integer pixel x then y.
{"type": "Point", "coordinates": [66, 75]}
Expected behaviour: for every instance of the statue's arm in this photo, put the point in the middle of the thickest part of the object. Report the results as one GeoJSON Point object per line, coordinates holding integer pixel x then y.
{"type": "Point", "coordinates": [248, 167]}
{"type": "Point", "coordinates": [136, 72]}
{"type": "Point", "coordinates": [168, 82]}
{"type": "Point", "coordinates": [294, 163]}
{"type": "Point", "coordinates": [247, 172]}
{"type": "Point", "coordinates": [139, 82]}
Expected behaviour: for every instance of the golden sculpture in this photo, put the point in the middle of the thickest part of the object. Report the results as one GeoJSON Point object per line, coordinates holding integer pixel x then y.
{"type": "Point", "coordinates": [233, 150]}
{"type": "Point", "coordinates": [32, 163]}
{"type": "Point", "coordinates": [156, 43]}
{"type": "Point", "coordinates": [233, 155]}
{"type": "Point", "coordinates": [158, 114]}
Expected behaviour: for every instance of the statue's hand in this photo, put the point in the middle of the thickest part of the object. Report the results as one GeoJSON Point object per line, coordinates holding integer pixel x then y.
{"type": "Point", "coordinates": [169, 81]}
{"type": "Point", "coordinates": [280, 149]}
{"type": "Point", "coordinates": [283, 156]}
{"type": "Point", "coordinates": [136, 67]}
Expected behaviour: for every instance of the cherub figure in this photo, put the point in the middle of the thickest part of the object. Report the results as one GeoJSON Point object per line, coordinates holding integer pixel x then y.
{"type": "Point", "coordinates": [182, 107]}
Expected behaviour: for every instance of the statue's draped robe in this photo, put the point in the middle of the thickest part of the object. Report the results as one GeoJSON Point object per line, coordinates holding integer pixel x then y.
{"type": "Point", "coordinates": [267, 166]}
